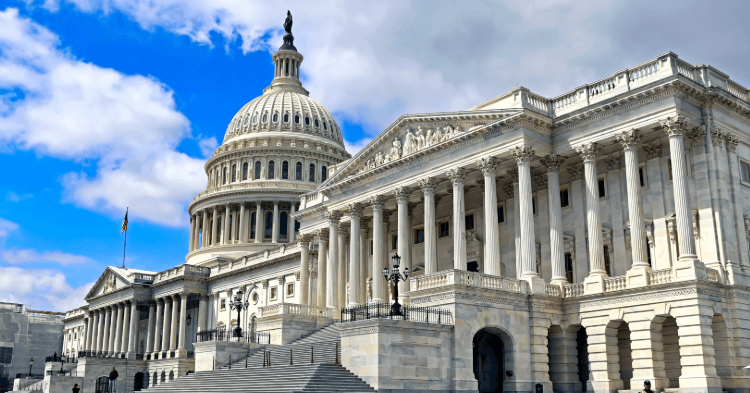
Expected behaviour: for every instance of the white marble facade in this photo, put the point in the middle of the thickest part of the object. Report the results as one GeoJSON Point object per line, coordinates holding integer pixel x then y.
{"type": "Point", "coordinates": [611, 222]}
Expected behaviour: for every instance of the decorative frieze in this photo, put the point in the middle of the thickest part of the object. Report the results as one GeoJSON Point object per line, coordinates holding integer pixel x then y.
{"type": "Point", "coordinates": [552, 162]}
{"type": "Point", "coordinates": [653, 149]}
{"type": "Point", "coordinates": [575, 171]}
{"type": "Point", "coordinates": [613, 162]}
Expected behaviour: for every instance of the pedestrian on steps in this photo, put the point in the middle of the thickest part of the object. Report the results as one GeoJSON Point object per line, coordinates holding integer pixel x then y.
{"type": "Point", "coordinates": [76, 389]}
{"type": "Point", "coordinates": [112, 379]}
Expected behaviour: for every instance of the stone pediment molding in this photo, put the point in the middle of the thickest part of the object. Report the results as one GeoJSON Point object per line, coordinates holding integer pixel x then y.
{"type": "Point", "coordinates": [104, 284]}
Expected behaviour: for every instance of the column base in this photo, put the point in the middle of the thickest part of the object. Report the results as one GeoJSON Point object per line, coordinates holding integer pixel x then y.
{"type": "Point", "coordinates": [637, 276]}
{"type": "Point", "coordinates": [688, 268]}
{"type": "Point", "coordinates": [537, 286]}
{"type": "Point", "coordinates": [593, 284]}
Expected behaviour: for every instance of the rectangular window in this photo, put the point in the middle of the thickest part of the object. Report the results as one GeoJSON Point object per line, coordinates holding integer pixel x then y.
{"type": "Point", "coordinates": [223, 304]}
{"type": "Point", "coordinates": [564, 198]}
{"type": "Point", "coordinates": [469, 222]}
{"type": "Point", "coordinates": [394, 242]}
{"type": "Point", "coordinates": [274, 293]}
{"type": "Point", "coordinates": [642, 176]}
{"type": "Point", "coordinates": [445, 229]}
{"type": "Point", "coordinates": [569, 267]}
{"type": "Point", "coordinates": [533, 205]}
{"type": "Point", "coordinates": [372, 248]}
{"type": "Point", "coordinates": [419, 236]}
{"type": "Point", "coordinates": [602, 188]}
{"type": "Point", "coordinates": [606, 260]}
{"type": "Point", "coordinates": [501, 214]}
{"type": "Point", "coordinates": [745, 171]}
{"type": "Point", "coordinates": [290, 289]}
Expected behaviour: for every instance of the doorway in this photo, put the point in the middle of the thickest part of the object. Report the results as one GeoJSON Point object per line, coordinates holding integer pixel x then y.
{"type": "Point", "coordinates": [489, 347]}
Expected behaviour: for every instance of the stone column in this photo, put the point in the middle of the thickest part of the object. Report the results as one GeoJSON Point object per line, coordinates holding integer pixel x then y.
{"type": "Point", "coordinates": [235, 237]}
{"type": "Point", "coordinates": [674, 127]}
{"type": "Point", "coordinates": [243, 224]}
{"type": "Point", "coordinates": [304, 270]}
{"type": "Point", "coordinates": [275, 230]}
{"type": "Point", "coordinates": [126, 327]}
{"type": "Point", "coordinates": [377, 248]}
{"type": "Point", "coordinates": [151, 326]}
{"type": "Point", "coordinates": [214, 226]}
{"type": "Point", "coordinates": [166, 332]}
{"type": "Point", "coordinates": [106, 342]}
{"type": "Point", "coordinates": [491, 237]}
{"type": "Point", "coordinates": [513, 174]}
{"type": "Point", "coordinates": [589, 153]}
{"type": "Point", "coordinates": [159, 327]}
{"type": "Point", "coordinates": [204, 229]}
{"type": "Point", "coordinates": [226, 238]}
{"type": "Point", "coordinates": [96, 332]}
{"type": "Point", "coordinates": [333, 253]}
{"type": "Point", "coordinates": [523, 155]}
{"type": "Point", "coordinates": [134, 318]}
{"type": "Point", "coordinates": [118, 328]}
{"type": "Point", "coordinates": [202, 312]}
{"type": "Point", "coordinates": [406, 258]}
{"type": "Point", "coordinates": [457, 176]}
{"type": "Point", "coordinates": [291, 233]}
{"type": "Point", "coordinates": [355, 211]}
{"type": "Point", "coordinates": [630, 140]}
{"type": "Point", "coordinates": [322, 266]}
{"type": "Point", "coordinates": [192, 232]}
{"type": "Point", "coordinates": [557, 248]}
{"type": "Point", "coordinates": [341, 268]}
{"type": "Point", "coordinates": [430, 234]}
{"type": "Point", "coordinates": [183, 320]}
{"type": "Point", "coordinates": [402, 237]}
{"type": "Point", "coordinates": [89, 332]}
{"type": "Point", "coordinates": [385, 255]}
{"type": "Point", "coordinates": [363, 258]}
{"type": "Point", "coordinates": [732, 141]}
{"type": "Point", "coordinates": [174, 320]}
{"type": "Point", "coordinates": [258, 221]}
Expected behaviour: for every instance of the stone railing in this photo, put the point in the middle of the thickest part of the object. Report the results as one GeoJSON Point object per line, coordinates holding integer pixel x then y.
{"type": "Point", "coordinates": [613, 284]}
{"type": "Point", "coordinates": [139, 278]}
{"type": "Point", "coordinates": [296, 309]}
{"type": "Point", "coordinates": [182, 270]}
{"type": "Point", "coordinates": [573, 290]}
{"type": "Point", "coordinates": [461, 277]}
{"type": "Point", "coordinates": [663, 276]}
{"type": "Point", "coordinates": [713, 275]}
{"type": "Point", "coordinates": [552, 290]}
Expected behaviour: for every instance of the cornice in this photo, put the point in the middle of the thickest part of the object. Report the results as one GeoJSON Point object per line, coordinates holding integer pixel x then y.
{"type": "Point", "coordinates": [256, 266]}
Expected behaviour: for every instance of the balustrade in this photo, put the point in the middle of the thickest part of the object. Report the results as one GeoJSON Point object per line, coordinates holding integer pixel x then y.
{"type": "Point", "coordinates": [462, 277]}
{"type": "Point", "coordinates": [663, 276]}
{"type": "Point", "coordinates": [573, 290]}
{"type": "Point", "coordinates": [615, 284]}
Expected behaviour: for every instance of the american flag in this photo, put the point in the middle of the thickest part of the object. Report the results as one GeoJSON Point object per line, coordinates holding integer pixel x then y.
{"type": "Point", "coordinates": [125, 223]}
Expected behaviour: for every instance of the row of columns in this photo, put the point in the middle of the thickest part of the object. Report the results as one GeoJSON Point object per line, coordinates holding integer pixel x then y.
{"type": "Point", "coordinates": [281, 67]}
{"type": "Point", "coordinates": [329, 262]}
{"type": "Point", "coordinates": [239, 231]}
{"type": "Point", "coordinates": [167, 322]}
{"type": "Point", "coordinates": [71, 345]}
{"type": "Point", "coordinates": [111, 330]}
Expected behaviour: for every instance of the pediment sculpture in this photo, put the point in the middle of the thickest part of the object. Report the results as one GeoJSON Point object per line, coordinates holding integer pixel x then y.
{"type": "Point", "coordinates": [413, 142]}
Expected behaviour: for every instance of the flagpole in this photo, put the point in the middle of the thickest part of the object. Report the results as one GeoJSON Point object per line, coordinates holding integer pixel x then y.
{"type": "Point", "coordinates": [125, 245]}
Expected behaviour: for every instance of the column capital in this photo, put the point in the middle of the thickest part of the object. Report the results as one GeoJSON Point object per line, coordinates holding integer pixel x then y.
{"type": "Point", "coordinates": [575, 171]}
{"type": "Point", "coordinates": [457, 175]}
{"type": "Point", "coordinates": [523, 153]}
{"type": "Point", "coordinates": [167, 299]}
{"type": "Point", "coordinates": [718, 137]}
{"type": "Point", "coordinates": [488, 165]}
{"type": "Point", "coordinates": [264, 283]}
{"type": "Point", "coordinates": [333, 217]}
{"type": "Point", "coordinates": [281, 279]}
{"type": "Point", "coordinates": [183, 294]}
{"type": "Point", "coordinates": [552, 162]}
{"type": "Point", "coordinates": [304, 240]}
{"type": "Point", "coordinates": [732, 142]}
{"type": "Point", "coordinates": [152, 303]}
{"type": "Point", "coordinates": [377, 201]}
{"type": "Point", "coordinates": [427, 184]}
{"type": "Point", "coordinates": [216, 208]}
{"type": "Point", "coordinates": [653, 149]}
{"type": "Point", "coordinates": [355, 210]}
{"type": "Point", "coordinates": [322, 235]}
{"type": "Point", "coordinates": [513, 174]}
{"type": "Point", "coordinates": [401, 194]}
{"type": "Point", "coordinates": [629, 139]}
{"type": "Point", "coordinates": [276, 202]}
{"type": "Point", "coordinates": [674, 125]}
{"type": "Point", "coordinates": [202, 296]}
{"type": "Point", "coordinates": [588, 151]}
{"type": "Point", "coordinates": [508, 188]}
{"type": "Point", "coordinates": [697, 136]}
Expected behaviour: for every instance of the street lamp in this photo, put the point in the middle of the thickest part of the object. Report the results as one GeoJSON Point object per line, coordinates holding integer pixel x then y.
{"type": "Point", "coordinates": [188, 319]}
{"type": "Point", "coordinates": [239, 306]}
{"type": "Point", "coordinates": [396, 276]}
{"type": "Point", "coordinates": [31, 363]}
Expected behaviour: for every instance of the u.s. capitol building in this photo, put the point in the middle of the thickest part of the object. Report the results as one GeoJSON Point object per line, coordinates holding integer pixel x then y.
{"type": "Point", "coordinates": [586, 242]}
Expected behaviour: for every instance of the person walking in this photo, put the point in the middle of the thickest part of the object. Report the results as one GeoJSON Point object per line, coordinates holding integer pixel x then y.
{"type": "Point", "coordinates": [112, 379]}
{"type": "Point", "coordinates": [76, 389]}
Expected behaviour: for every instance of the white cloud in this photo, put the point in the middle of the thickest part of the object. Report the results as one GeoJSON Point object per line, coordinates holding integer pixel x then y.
{"type": "Point", "coordinates": [354, 147]}
{"type": "Point", "coordinates": [6, 227]}
{"type": "Point", "coordinates": [207, 146]}
{"type": "Point", "coordinates": [16, 257]}
{"type": "Point", "coordinates": [127, 124]}
{"type": "Point", "coordinates": [42, 289]}
{"type": "Point", "coordinates": [15, 198]}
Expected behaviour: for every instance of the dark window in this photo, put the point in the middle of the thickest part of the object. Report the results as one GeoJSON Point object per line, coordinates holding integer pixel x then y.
{"type": "Point", "coordinates": [501, 214]}
{"type": "Point", "coordinates": [602, 189]}
{"type": "Point", "coordinates": [255, 118]}
{"type": "Point", "coordinates": [247, 119]}
{"type": "Point", "coordinates": [394, 242]}
{"type": "Point", "coordinates": [285, 170]}
{"type": "Point", "coordinates": [275, 117]}
{"type": "Point", "coordinates": [245, 167]}
{"type": "Point", "coordinates": [252, 225]}
{"type": "Point", "coordinates": [317, 124]}
{"type": "Point", "coordinates": [419, 236]}
{"type": "Point", "coordinates": [607, 266]}
{"type": "Point", "coordinates": [6, 354]}
{"type": "Point", "coordinates": [325, 126]}
{"type": "Point", "coordinates": [569, 267]}
{"type": "Point", "coordinates": [234, 173]}
{"type": "Point", "coordinates": [445, 229]}
{"type": "Point", "coordinates": [286, 118]}
{"type": "Point", "coordinates": [307, 121]}
{"type": "Point", "coordinates": [225, 175]}
{"type": "Point", "coordinates": [298, 171]}
{"type": "Point", "coordinates": [268, 233]}
{"type": "Point", "coordinates": [641, 177]}
{"type": "Point", "coordinates": [296, 119]}
{"type": "Point", "coordinates": [265, 117]}
{"type": "Point", "coordinates": [533, 205]}
{"type": "Point", "coordinates": [271, 170]}
{"type": "Point", "coordinates": [283, 225]}
{"type": "Point", "coordinates": [312, 172]}
{"type": "Point", "coordinates": [472, 266]}
{"type": "Point", "coordinates": [372, 248]}
{"type": "Point", "coordinates": [745, 171]}
{"type": "Point", "coordinates": [296, 225]}
{"type": "Point", "coordinates": [648, 253]}
{"type": "Point", "coordinates": [669, 168]}
{"type": "Point", "coordinates": [469, 222]}
{"type": "Point", "coordinates": [323, 173]}
{"type": "Point", "coordinates": [257, 170]}
{"type": "Point", "coordinates": [564, 198]}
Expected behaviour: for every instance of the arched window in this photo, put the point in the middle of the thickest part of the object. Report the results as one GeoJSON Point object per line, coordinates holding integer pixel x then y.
{"type": "Point", "coordinates": [268, 230]}
{"type": "Point", "coordinates": [316, 123]}
{"type": "Point", "coordinates": [255, 119]}
{"type": "Point", "coordinates": [325, 125]}
{"type": "Point", "coordinates": [252, 225]}
{"type": "Point", "coordinates": [265, 118]}
{"type": "Point", "coordinates": [234, 173]}
{"type": "Point", "coordinates": [257, 170]}
{"type": "Point", "coordinates": [271, 170]}
{"type": "Point", "coordinates": [286, 118]}
{"type": "Point", "coordinates": [225, 175]}
{"type": "Point", "coordinates": [312, 172]}
{"type": "Point", "coordinates": [283, 225]}
{"type": "Point", "coordinates": [275, 117]}
{"type": "Point", "coordinates": [298, 171]}
{"type": "Point", "coordinates": [244, 123]}
{"type": "Point", "coordinates": [307, 120]}
{"type": "Point", "coordinates": [244, 170]}
{"type": "Point", "coordinates": [296, 119]}
{"type": "Point", "coordinates": [323, 173]}
{"type": "Point", "coordinates": [285, 170]}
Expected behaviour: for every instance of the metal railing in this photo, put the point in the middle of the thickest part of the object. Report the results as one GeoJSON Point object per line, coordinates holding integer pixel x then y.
{"type": "Point", "coordinates": [66, 359]}
{"type": "Point", "coordinates": [408, 313]}
{"type": "Point", "coordinates": [226, 334]}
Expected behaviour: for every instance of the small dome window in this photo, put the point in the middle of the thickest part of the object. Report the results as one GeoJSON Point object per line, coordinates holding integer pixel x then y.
{"type": "Point", "coordinates": [246, 120]}
{"type": "Point", "coordinates": [296, 119]}
{"type": "Point", "coordinates": [286, 118]}
{"type": "Point", "coordinates": [275, 117]}
{"type": "Point", "coordinates": [307, 121]}
{"type": "Point", "coordinates": [265, 118]}
{"type": "Point", "coordinates": [255, 118]}
{"type": "Point", "coordinates": [316, 123]}
{"type": "Point", "coordinates": [325, 126]}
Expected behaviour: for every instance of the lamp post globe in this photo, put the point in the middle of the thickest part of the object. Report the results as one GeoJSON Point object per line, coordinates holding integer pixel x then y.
{"type": "Point", "coordinates": [239, 306]}
{"type": "Point", "coordinates": [31, 363]}
{"type": "Point", "coordinates": [395, 276]}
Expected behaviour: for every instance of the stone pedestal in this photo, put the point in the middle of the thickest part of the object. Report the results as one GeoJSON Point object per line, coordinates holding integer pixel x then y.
{"type": "Point", "coordinates": [593, 284]}
{"type": "Point", "coordinates": [537, 286]}
{"type": "Point", "coordinates": [688, 269]}
{"type": "Point", "coordinates": [287, 322]}
{"type": "Point", "coordinates": [212, 354]}
{"type": "Point", "coordinates": [637, 277]}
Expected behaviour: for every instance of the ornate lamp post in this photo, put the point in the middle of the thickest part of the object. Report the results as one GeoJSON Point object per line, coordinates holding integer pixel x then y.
{"type": "Point", "coordinates": [188, 319]}
{"type": "Point", "coordinates": [31, 363]}
{"type": "Point", "coordinates": [239, 306]}
{"type": "Point", "coordinates": [395, 276]}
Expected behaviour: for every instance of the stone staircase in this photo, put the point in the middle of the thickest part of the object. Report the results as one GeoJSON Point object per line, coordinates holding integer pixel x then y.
{"type": "Point", "coordinates": [320, 376]}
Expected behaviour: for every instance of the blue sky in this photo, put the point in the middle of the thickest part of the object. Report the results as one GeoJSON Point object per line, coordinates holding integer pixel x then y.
{"type": "Point", "coordinates": [108, 104]}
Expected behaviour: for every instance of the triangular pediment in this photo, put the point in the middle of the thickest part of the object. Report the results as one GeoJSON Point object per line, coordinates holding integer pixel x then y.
{"type": "Point", "coordinates": [109, 281]}
{"type": "Point", "coordinates": [412, 135]}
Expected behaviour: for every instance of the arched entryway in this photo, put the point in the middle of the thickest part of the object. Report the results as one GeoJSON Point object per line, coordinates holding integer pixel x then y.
{"type": "Point", "coordinates": [492, 356]}
{"type": "Point", "coordinates": [138, 382]}
{"type": "Point", "coordinates": [722, 352]}
{"type": "Point", "coordinates": [666, 352]}
{"type": "Point", "coordinates": [102, 384]}
{"type": "Point", "coordinates": [625, 354]}
{"type": "Point", "coordinates": [568, 358]}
